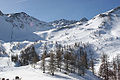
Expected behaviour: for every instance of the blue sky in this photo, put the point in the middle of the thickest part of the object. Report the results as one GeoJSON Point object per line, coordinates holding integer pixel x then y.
{"type": "Point", "coordinates": [49, 10]}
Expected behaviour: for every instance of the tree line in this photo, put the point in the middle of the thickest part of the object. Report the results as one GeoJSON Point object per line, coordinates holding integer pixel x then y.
{"type": "Point", "coordinates": [109, 70]}
{"type": "Point", "coordinates": [27, 56]}
{"type": "Point", "coordinates": [76, 58]}
{"type": "Point", "coordinates": [71, 59]}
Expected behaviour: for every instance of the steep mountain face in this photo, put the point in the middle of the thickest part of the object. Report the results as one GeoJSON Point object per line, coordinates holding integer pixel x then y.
{"type": "Point", "coordinates": [22, 20]}
{"type": "Point", "coordinates": [20, 27]}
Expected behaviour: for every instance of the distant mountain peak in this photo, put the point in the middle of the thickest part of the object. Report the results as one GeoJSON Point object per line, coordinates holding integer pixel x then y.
{"type": "Point", "coordinates": [20, 14]}
{"type": "Point", "coordinates": [63, 22]}
{"type": "Point", "coordinates": [84, 19]}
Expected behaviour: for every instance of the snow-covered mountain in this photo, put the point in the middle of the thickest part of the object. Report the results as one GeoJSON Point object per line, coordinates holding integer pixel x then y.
{"type": "Point", "coordinates": [64, 22]}
{"type": "Point", "coordinates": [102, 32]}
{"type": "Point", "coordinates": [20, 27]}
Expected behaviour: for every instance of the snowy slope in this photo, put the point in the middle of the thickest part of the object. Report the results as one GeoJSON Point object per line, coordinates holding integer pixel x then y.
{"type": "Point", "coordinates": [19, 30]}
{"type": "Point", "coordinates": [20, 27]}
{"type": "Point", "coordinates": [29, 73]}
{"type": "Point", "coordinates": [102, 32]}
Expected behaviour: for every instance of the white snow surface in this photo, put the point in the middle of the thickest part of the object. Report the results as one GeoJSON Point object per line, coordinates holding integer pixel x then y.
{"type": "Point", "coordinates": [30, 73]}
{"type": "Point", "coordinates": [20, 30]}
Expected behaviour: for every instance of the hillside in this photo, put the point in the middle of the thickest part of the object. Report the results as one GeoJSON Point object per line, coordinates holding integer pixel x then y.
{"type": "Point", "coordinates": [19, 30]}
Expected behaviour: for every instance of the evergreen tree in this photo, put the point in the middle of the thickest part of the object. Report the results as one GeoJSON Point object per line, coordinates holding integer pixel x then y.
{"type": "Point", "coordinates": [79, 66]}
{"type": "Point", "coordinates": [58, 55]}
{"type": "Point", "coordinates": [35, 58]}
{"type": "Point", "coordinates": [59, 58]}
{"type": "Point", "coordinates": [52, 66]}
{"type": "Point", "coordinates": [92, 60]}
{"type": "Point", "coordinates": [114, 69]}
{"type": "Point", "coordinates": [104, 67]}
{"type": "Point", "coordinates": [83, 63]}
{"type": "Point", "coordinates": [28, 56]}
{"type": "Point", "coordinates": [43, 58]}
{"type": "Point", "coordinates": [72, 62]}
{"type": "Point", "coordinates": [43, 62]}
{"type": "Point", "coordinates": [118, 67]}
{"type": "Point", "coordinates": [66, 61]}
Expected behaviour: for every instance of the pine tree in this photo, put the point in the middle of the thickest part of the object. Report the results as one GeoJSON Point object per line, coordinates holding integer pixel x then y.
{"type": "Point", "coordinates": [79, 66]}
{"type": "Point", "coordinates": [85, 60]}
{"type": "Point", "coordinates": [58, 55]}
{"type": "Point", "coordinates": [83, 64]}
{"type": "Point", "coordinates": [92, 60]}
{"type": "Point", "coordinates": [29, 56]}
{"type": "Point", "coordinates": [43, 62]}
{"type": "Point", "coordinates": [72, 58]}
{"type": "Point", "coordinates": [67, 61]}
{"type": "Point", "coordinates": [35, 60]}
{"type": "Point", "coordinates": [59, 58]}
{"type": "Point", "coordinates": [104, 67]}
{"type": "Point", "coordinates": [43, 58]}
{"type": "Point", "coordinates": [35, 56]}
{"type": "Point", "coordinates": [114, 69]}
{"type": "Point", "coordinates": [118, 67]}
{"type": "Point", "coordinates": [72, 62]}
{"type": "Point", "coordinates": [52, 66]}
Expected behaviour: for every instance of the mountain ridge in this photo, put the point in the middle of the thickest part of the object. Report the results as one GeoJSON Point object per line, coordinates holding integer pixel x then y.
{"type": "Point", "coordinates": [26, 25]}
